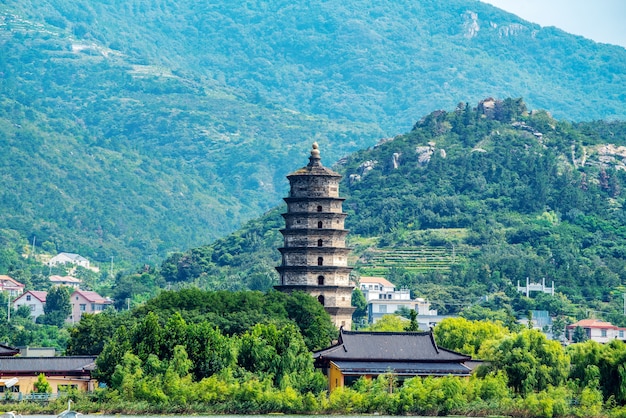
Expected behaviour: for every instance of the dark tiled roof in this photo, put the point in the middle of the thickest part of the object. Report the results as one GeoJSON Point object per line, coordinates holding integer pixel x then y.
{"type": "Point", "coordinates": [402, 368]}
{"type": "Point", "coordinates": [6, 350]}
{"type": "Point", "coordinates": [47, 364]}
{"type": "Point", "coordinates": [388, 346]}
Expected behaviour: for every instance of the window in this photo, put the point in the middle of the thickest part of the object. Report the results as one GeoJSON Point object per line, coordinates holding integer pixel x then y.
{"type": "Point", "coordinates": [380, 296]}
{"type": "Point", "coordinates": [320, 224]}
{"type": "Point", "coordinates": [83, 307]}
{"type": "Point", "coordinates": [621, 333]}
{"type": "Point", "coordinates": [320, 299]}
{"type": "Point", "coordinates": [320, 280]}
{"type": "Point", "coordinates": [320, 261]}
{"type": "Point", "coordinates": [32, 308]}
{"type": "Point", "coordinates": [319, 242]}
{"type": "Point", "coordinates": [319, 208]}
{"type": "Point", "coordinates": [382, 309]}
{"type": "Point", "coordinates": [28, 298]}
{"type": "Point", "coordinates": [603, 333]}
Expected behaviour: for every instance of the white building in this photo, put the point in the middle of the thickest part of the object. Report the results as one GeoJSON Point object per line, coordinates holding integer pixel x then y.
{"type": "Point", "coordinates": [34, 299]}
{"type": "Point", "coordinates": [69, 258]}
{"type": "Point", "coordinates": [383, 298]}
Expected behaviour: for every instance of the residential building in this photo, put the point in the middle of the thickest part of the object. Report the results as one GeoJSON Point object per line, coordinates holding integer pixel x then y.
{"type": "Point", "coordinates": [402, 354]}
{"type": "Point", "coordinates": [11, 286]}
{"type": "Point", "coordinates": [68, 281]}
{"type": "Point", "coordinates": [383, 298]}
{"type": "Point", "coordinates": [69, 258]}
{"type": "Point", "coordinates": [85, 301]}
{"type": "Point", "coordinates": [596, 330]}
{"type": "Point", "coordinates": [34, 299]}
{"type": "Point", "coordinates": [19, 374]}
{"type": "Point", "coordinates": [314, 254]}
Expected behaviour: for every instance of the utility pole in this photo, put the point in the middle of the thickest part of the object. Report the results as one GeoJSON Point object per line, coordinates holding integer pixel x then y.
{"type": "Point", "coordinates": [33, 250]}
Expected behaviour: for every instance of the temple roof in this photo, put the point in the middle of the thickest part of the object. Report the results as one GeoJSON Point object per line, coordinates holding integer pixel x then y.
{"type": "Point", "coordinates": [388, 346]}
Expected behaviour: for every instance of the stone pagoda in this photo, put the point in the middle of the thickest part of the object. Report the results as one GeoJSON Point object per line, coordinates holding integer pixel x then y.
{"type": "Point", "coordinates": [314, 255]}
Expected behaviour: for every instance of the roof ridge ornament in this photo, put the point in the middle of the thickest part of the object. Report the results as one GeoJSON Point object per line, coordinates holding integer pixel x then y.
{"type": "Point", "coordinates": [315, 159]}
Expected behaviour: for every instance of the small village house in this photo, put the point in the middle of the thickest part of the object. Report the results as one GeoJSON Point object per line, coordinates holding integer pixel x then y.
{"type": "Point", "coordinates": [85, 301]}
{"type": "Point", "coordinates": [68, 281]}
{"type": "Point", "coordinates": [69, 258]}
{"type": "Point", "coordinates": [596, 330]}
{"type": "Point", "coordinates": [402, 354]}
{"type": "Point", "coordinates": [11, 286]}
{"type": "Point", "coordinates": [34, 299]}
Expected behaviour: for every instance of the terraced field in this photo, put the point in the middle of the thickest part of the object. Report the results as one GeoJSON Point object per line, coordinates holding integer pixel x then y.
{"type": "Point", "coordinates": [424, 258]}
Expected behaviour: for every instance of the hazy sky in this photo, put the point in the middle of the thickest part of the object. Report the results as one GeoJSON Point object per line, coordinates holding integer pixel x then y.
{"type": "Point", "coordinates": [600, 20]}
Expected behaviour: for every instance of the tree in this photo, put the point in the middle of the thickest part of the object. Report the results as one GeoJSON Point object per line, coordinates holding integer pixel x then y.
{"type": "Point", "coordinates": [58, 307]}
{"type": "Point", "coordinates": [42, 385]}
{"type": "Point", "coordinates": [466, 336]}
{"type": "Point", "coordinates": [360, 303]}
{"type": "Point", "coordinates": [529, 359]}
{"type": "Point", "coordinates": [413, 325]}
{"type": "Point", "coordinates": [209, 351]}
{"type": "Point", "coordinates": [281, 355]}
{"type": "Point", "coordinates": [392, 323]}
{"type": "Point", "coordinates": [579, 335]}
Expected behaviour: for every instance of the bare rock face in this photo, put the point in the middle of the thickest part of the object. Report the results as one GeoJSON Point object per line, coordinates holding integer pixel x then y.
{"type": "Point", "coordinates": [470, 26]}
{"type": "Point", "coordinates": [613, 155]}
{"type": "Point", "coordinates": [354, 178]}
{"type": "Point", "coordinates": [367, 166]}
{"type": "Point", "coordinates": [425, 153]}
{"type": "Point", "coordinates": [395, 160]}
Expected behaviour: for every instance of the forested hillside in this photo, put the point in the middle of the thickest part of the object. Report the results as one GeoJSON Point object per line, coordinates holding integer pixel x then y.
{"type": "Point", "coordinates": [505, 192]}
{"type": "Point", "coordinates": [132, 129]}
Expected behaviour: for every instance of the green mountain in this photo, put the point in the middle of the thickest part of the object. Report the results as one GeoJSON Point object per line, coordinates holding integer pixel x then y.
{"type": "Point", "coordinates": [468, 203]}
{"type": "Point", "coordinates": [133, 129]}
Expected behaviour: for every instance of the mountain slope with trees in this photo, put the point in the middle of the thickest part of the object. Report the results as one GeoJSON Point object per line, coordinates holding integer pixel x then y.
{"type": "Point", "coordinates": [132, 129]}
{"type": "Point", "coordinates": [514, 193]}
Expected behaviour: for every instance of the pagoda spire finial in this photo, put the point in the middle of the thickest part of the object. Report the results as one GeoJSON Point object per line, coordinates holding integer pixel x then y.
{"type": "Point", "coordinates": [314, 159]}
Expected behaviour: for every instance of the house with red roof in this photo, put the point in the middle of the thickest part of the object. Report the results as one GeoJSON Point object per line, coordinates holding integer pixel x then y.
{"type": "Point", "coordinates": [34, 299]}
{"type": "Point", "coordinates": [11, 286]}
{"type": "Point", "coordinates": [68, 281]}
{"type": "Point", "coordinates": [596, 330]}
{"type": "Point", "coordinates": [85, 301]}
